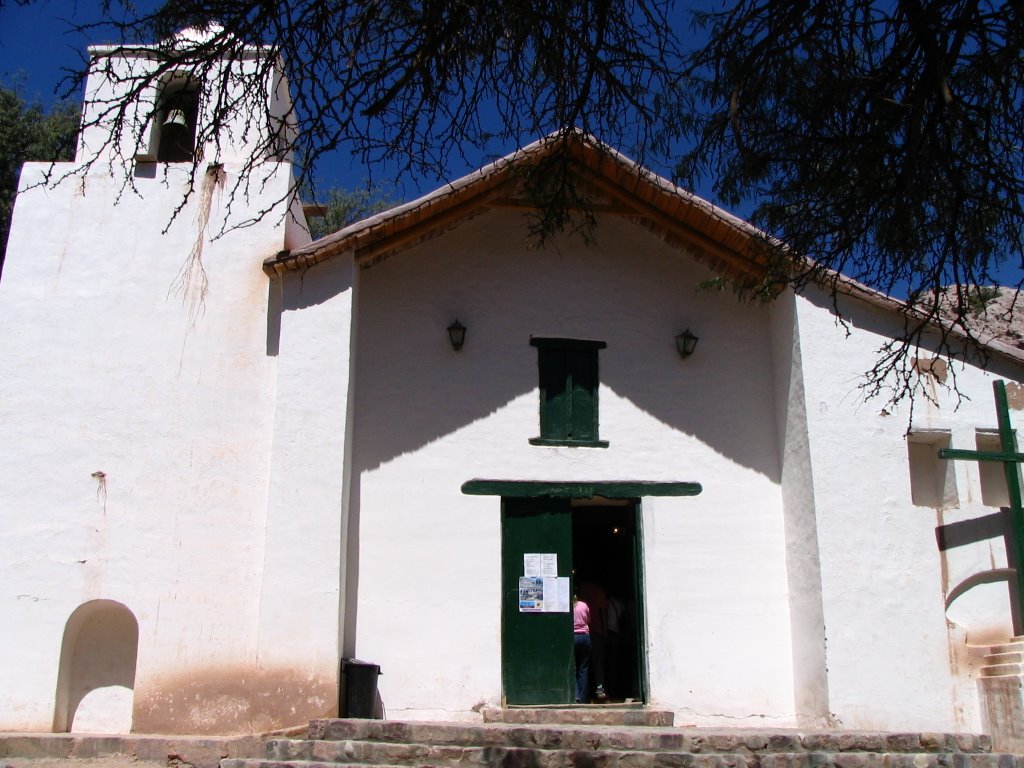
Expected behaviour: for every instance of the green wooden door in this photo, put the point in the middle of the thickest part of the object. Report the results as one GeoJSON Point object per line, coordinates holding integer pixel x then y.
{"type": "Point", "coordinates": [537, 662]}
{"type": "Point", "coordinates": [638, 622]}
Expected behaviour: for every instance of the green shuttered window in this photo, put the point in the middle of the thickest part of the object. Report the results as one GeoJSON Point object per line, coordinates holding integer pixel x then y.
{"type": "Point", "coordinates": [568, 392]}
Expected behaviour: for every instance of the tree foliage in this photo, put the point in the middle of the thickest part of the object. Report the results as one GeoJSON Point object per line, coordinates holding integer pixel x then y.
{"type": "Point", "coordinates": [347, 206]}
{"type": "Point", "coordinates": [880, 140]}
{"type": "Point", "coordinates": [414, 83]}
{"type": "Point", "coordinates": [29, 132]}
{"type": "Point", "coordinates": [877, 140]}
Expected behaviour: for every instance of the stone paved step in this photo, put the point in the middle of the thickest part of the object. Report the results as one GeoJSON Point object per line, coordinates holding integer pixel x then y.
{"type": "Point", "coordinates": [623, 714]}
{"type": "Point", "coordinates": [496, 757]}
{"type": "Point", "coordinates": [1013, 646]}
{"type": "Point", "coordinates": [1000, 670]}
{"type": "Point", "coordinates": [1016, 657]}
{"type": "Point", "coordinates": [196, 751]}
{"type": "Point", "coordinates": [695, 740]}
{"type": "Point", "coordinates": [382, 752]}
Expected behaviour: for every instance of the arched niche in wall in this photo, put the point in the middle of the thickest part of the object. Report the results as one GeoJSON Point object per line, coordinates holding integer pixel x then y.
{"type": "Point", "coordinates": [96, 680]}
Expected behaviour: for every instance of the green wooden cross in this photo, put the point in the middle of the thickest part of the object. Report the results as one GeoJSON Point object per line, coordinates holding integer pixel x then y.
{"type": "Point", "coordinates": [1011, 460]}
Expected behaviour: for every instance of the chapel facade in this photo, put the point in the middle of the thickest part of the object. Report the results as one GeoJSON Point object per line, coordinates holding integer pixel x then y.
{"type": "Point", "coordinates": [235, 457]}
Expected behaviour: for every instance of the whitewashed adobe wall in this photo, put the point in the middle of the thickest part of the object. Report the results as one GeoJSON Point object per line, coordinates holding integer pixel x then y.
{"type": "Point", "coordinates": [895, 658]}
{"type": "Point", "coordinates": [427, 419]}
{"type": "Point", "coordinates": [138, 411]}
{"type": "Point", "coordinates": [805, 558]}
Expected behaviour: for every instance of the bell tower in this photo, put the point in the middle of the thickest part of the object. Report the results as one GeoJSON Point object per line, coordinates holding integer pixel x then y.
{"type": "Point", "coordinates": [138, 402]}
{"type": "Point", "coordinates": [175, 103]}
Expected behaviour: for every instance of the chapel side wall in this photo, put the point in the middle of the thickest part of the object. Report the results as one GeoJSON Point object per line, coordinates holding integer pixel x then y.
{"type": "Point", "coordinates": [137, 423]}
{"type": "Point", "coordinates": [803, 566]}
{"type": "Point", "coordinates": [895, 658]}
{"type": "Point", "coordinates": [428, 419]}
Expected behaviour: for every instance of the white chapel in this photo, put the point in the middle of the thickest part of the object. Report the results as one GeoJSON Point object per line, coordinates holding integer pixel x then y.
{"type": "Point", "coordinates": [234, 457]}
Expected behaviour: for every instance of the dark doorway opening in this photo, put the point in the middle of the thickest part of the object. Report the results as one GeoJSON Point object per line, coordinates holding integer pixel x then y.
{"type": "Point", "coordinates": [606, 569]}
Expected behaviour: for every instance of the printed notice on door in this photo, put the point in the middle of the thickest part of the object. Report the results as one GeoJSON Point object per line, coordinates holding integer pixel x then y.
{"type": "Point", "coordinates": [540, 564]}
{"type": "Point", "coordinates": [541, 589]}
{"type": "Point", "coordinates": [556, 594]}
{"type": "Point", "coordinates": [531, 594]}
{"type": "Point", "coordinates": [538, 594]}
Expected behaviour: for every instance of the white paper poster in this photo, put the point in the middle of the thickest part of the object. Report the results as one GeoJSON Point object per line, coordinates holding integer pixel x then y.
{"type": "Point", "coordinates": [549, 564]}
{"type": "Point", "coordinates": [541, 589]}
{"type": "Point", "coordinates": [531, 564]}
{"type": "Point", "coordinates": [540, 564]}
{"type": "Point", "coordinates": [556, 594]}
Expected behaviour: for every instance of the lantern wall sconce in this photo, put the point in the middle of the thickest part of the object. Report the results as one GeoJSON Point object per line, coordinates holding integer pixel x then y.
{"type": "Point", "coordinates": [457, 335]}
{"type": "Point", "coordinates": [686, 342]}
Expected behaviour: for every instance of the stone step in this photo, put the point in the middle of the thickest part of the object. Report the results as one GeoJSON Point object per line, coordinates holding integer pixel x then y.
{"type": "Point", "coordinates": [196, 751]}
{"type": "Point", "coordinates": [381, 752]}
{"type": "Point", "coordinates": [1014, 645]}
{"type": "Point", "coordinates": [1014, 657]}
{"type": "Point", "coordinates": [1000, 670]}
{"type": "Point", "coordinates": [325, 735]}
{"type": "Point", "coordinates": [513, 757]}
{"type": "Point", "coordinates": [622, 714]}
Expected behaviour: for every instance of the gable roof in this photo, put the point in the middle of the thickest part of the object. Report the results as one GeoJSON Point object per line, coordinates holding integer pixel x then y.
{"type": "Point", "coordinates": [713, 236]}
{"type": "Point", "coordinates": [729, 245]}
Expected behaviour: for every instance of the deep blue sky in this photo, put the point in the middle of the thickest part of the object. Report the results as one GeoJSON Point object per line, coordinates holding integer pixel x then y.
{"type": "Point", "coordinates": [37, 48]}
{"type": "Point", "coordinates": [35, 44]}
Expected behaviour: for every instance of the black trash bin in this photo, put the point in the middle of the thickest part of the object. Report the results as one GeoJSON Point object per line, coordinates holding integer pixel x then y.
{"type": "Point", "coordinates": [359, 686]}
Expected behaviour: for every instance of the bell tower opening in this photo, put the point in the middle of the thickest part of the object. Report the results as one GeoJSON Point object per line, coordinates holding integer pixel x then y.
{"type": "Point", "coordinates": [175, 120]}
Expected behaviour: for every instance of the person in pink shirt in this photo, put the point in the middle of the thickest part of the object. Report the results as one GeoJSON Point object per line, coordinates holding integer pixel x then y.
{"type": "Point", "coordinates": [581, 647]}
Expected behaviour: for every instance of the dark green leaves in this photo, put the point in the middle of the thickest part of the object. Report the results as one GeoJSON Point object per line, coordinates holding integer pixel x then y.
{"type": "Point", "coordinates": [28, 132]}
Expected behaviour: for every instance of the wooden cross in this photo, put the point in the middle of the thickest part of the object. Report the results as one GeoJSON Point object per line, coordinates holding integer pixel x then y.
{"type": "Point", "coordinates": [1011, 460]}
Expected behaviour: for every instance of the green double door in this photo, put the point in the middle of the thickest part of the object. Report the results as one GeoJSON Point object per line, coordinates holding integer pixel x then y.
{"type": "Point", "coordinates": [597, 542]}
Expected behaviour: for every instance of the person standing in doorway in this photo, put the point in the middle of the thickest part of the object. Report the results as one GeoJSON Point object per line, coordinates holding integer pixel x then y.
{"type": "Point", "coordinates": [597, 600]}
{"type": "Point", "coordinates": [581, 647]}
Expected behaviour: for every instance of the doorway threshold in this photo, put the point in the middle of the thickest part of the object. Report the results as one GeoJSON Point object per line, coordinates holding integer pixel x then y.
{"type": "Point", "coordinates": [633, 714]}
{"type": "Point", "coordinates": [604, 705]}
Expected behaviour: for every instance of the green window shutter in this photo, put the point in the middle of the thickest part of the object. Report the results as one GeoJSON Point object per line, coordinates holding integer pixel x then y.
{"type": "Point", "coordinates": [555, 395]}
{"type": "Point", "coordinates": [568, 392]}
{"type": "Point", "coordinates": [581, 367]}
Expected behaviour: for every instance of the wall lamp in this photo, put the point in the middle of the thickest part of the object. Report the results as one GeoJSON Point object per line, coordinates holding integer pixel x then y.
{"type": "Point", "coordinates": [686, 342]}
{"type": "Point", "coordinates": [457, 335]}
